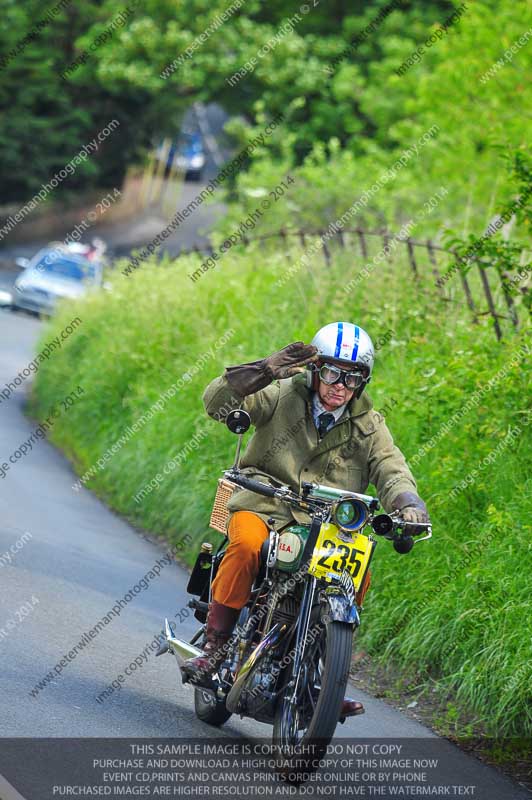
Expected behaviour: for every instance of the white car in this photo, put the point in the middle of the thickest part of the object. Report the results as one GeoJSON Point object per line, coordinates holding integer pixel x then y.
{"type": "Point", "coordinates": [52, 274]}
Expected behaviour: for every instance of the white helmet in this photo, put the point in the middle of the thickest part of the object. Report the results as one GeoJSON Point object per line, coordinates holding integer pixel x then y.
{"type": "Point", "coordinates": [347, 343]}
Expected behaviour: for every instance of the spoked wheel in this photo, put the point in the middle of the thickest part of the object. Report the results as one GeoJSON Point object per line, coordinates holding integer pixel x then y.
{"type": "Point", "coordinates": [311, 717]}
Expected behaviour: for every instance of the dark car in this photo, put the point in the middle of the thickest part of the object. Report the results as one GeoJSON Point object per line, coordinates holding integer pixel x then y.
{"type": "Point", "coordinates": [190, 155]}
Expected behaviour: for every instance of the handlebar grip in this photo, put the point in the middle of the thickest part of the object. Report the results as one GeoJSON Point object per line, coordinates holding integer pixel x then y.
{"type": "Point", "coordinates": [254, 486]}
{"type": "Point", "coordinates": [403, 545]}
{"type": "Point", "coordinates": [425, 526]}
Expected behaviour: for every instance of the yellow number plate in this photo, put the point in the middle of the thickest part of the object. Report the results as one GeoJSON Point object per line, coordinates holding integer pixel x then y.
{"type": "Point", "coordinates": [332, 555]}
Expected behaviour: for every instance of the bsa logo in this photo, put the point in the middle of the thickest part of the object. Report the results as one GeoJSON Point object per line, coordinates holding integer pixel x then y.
{"type": "Point", "coordinates": [289, 547]}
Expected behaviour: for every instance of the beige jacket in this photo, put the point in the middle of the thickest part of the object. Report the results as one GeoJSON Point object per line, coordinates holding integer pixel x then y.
{"type": "Point", "coordinates": [357, 451]}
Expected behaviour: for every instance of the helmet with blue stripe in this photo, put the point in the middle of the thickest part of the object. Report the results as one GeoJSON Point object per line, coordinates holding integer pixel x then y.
{"type": "Point", "coordinates": [346, 344]}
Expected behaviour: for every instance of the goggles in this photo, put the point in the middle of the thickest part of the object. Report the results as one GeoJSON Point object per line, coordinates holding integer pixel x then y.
{"type": "Point", "coordinates": [330, 374]}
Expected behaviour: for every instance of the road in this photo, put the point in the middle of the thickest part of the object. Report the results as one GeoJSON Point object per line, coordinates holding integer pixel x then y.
{"type": "Point", "coordinates": [130, 234]}
{"type": "Point", "coordinates": [75, 560]}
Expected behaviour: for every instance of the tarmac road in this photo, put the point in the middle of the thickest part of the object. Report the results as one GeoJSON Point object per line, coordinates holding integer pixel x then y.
{"type": "Point", "coordinates": [65, 558]}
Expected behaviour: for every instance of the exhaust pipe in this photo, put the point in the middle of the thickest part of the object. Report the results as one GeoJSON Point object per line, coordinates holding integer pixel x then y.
{"type": "Point", "coordinates": [181, 650]}
{"type": "Point", "coordinates": [270, 640]}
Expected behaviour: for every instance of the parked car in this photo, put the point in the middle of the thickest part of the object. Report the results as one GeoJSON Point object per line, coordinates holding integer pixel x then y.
{"type": "Point", "coordinates": [52, 274]}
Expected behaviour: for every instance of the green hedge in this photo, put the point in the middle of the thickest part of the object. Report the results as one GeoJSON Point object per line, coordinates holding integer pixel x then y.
{"type": "Point", "coordinates": [457, 609]}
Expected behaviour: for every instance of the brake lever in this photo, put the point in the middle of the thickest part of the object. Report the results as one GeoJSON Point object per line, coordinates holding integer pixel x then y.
{"type": "Point", "coordinates": [428, 534]}
{"type": "Point", "coordinates": [405, 524]}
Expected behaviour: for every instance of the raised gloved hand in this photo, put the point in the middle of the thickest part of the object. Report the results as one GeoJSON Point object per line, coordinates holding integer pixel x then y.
{"type": "Point", "coordinates": [290, 360]}
{"type": "Point", "coordinates": [412, 509]}
{"type": "Point", "coordinates": [249, 378]}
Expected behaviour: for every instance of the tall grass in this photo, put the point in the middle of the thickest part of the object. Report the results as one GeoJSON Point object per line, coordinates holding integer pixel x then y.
{"type": "Point", "coordinates": [456, 609]}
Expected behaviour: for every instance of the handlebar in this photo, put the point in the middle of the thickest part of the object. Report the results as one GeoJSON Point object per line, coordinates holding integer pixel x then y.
{"type": "Point", "coordinates": [254, 486]}
{"type": "Point", "coordinates": [390, 526]}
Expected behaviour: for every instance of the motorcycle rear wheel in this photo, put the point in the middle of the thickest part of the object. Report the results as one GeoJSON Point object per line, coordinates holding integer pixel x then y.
{"type": "Point", "coordinates": [206, 705]}
{"type": "Point", "coordinates": [209, 709]}
{"type": "Point", "coordinates": [313, 720]}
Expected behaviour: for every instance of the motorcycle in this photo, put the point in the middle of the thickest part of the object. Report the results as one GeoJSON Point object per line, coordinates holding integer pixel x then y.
{"type": "Point", "coordinates": [287, 662]}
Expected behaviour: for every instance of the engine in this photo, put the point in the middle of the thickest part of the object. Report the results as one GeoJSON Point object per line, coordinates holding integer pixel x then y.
{"type": "Point", "coordinates": [257, 698]}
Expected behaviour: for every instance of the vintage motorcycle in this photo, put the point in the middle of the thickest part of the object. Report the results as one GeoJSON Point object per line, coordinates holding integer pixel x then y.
{"type": "Point", "coordinates": [288, 660]}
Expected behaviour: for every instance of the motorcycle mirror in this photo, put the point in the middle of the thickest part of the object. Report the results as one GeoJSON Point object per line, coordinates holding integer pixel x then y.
{"type": "Point", "coordinates": [382, 524]}
{"type": "Point", "coordinates": [403, 544]}
{"type": "Point", "coordinates": [238, 421]}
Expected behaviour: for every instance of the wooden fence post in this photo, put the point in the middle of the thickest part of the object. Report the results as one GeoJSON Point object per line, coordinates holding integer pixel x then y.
{"type": "Point", "coordinates": [509, 302]}
{"type": "Point", "coordinates": [363, 245]}
{"type": "Point", "coordinates": [434, 262]}
{"type": "Point", "coordinates": [282, 234]}
{"type": "Point", "coordinates": [412, 257]}
{"type": "Point", "coordinates": [386, 244]}
{"type": "Point", "coordinates": [326, 252]}
{"type": "Point", "coordinates": [491, 305]}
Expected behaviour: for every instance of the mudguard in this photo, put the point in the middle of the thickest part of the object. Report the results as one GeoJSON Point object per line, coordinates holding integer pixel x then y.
{"type": "Point", "coordinates": [341, 600]}
{"type": "Point", "coordinates": [341, 609]}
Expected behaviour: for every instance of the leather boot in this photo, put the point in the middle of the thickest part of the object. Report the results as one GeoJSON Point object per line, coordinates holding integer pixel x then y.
{"type": "Point", "coordinates": [350, 708]}
{"type": "Point", "coordinates": [220, 623]}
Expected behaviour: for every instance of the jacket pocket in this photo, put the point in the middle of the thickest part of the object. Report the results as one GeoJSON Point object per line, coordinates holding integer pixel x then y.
{"type": "Point", "coordinates": [343, 476]}
{"type": "Point", "coordinates": [355, 478]}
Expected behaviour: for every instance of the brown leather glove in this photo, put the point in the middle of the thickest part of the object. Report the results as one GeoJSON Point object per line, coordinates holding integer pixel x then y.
{"type": "Point", "coordinates": [250, 378]}
{"type": "Point", "coordinates": [412, 509]}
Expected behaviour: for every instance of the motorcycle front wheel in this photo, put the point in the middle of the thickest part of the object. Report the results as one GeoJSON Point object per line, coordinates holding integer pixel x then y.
{"type": "Point", "coordinates": [312, 718]}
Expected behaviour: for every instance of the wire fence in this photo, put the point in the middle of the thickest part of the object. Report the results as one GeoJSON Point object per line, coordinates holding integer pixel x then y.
{"type": "Point", "coordinates": [484, 289]}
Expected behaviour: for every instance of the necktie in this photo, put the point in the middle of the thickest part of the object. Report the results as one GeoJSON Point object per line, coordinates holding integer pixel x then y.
{"type": "Point", "coordinates": [324, 420]}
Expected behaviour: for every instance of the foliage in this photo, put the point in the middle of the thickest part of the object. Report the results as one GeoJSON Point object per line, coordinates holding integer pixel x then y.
{"type": "Point", "coordinates": [50, 117]}
{"type": "Point", "coordinates": [476, 125]}
{"type": "Point", "coordinates": [492, 250]}
{"type": "Point", "coordinates": [456, 609]}
{"type": "Point", "coordinates": [344, 123]}
{"type": "Point", "coordinates": [46, 120]}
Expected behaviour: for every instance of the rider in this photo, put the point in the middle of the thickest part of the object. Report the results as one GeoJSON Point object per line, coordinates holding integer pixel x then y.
{"type": "Point", "coordinates": [317, 426]}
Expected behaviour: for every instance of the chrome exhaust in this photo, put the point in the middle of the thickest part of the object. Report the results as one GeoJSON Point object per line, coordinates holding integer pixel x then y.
{"type": "Point", "coordinates": [181, 650]}
{"type": "Point", "coordinates": [272, 638]}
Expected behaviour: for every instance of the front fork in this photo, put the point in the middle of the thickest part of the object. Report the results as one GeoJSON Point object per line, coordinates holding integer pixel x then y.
{"type": "Point", "coordinates": [340, 599]}
{"type": "Point", "coordinates": [302, 628]}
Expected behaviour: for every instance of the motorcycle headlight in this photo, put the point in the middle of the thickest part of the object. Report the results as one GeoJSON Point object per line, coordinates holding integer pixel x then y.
{"type": "Point", "coordinates": [350, 514]}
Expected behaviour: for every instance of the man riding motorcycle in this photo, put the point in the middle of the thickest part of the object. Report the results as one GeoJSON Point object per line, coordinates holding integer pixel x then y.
{"type": "Point", "coordinates": [317, 426]}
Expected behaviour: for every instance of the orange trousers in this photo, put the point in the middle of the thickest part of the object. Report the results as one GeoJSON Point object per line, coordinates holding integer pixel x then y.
{"type": "Point", "coordinates": [240, 565]}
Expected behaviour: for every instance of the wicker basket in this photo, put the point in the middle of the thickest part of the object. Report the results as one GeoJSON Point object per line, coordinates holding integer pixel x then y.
{"type": "Point", "coordinates": [220, 513]}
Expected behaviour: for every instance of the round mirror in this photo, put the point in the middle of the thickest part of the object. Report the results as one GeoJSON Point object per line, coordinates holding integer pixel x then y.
{"type": "Point", "coordinates": [238, 421]}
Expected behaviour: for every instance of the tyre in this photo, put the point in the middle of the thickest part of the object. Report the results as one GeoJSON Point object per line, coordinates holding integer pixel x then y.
{"type": "Point", "coordinates": [209, 709]}
{"type": "Point", "coordinates": [312, 720]}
